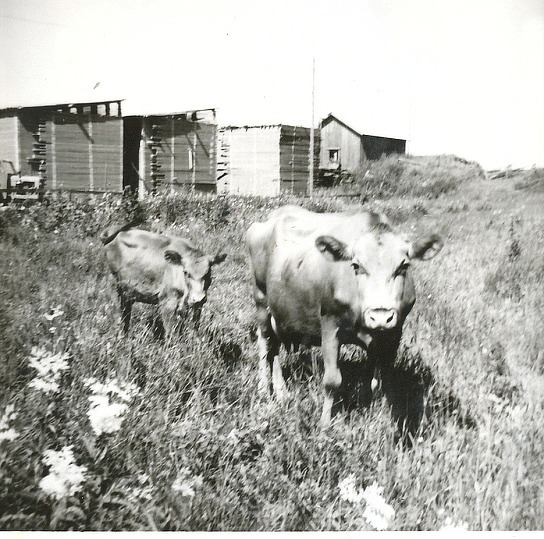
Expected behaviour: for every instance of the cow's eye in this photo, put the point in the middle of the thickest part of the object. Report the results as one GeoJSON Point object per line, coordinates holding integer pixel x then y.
{"type": "Point", "coordinates": [402, 269]}
{"type": "Point", "coordinates": [357, 268]}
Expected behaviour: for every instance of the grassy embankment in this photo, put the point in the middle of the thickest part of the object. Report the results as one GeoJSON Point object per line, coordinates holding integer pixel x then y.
{"type": "Point", "coordinates": [472, 348]}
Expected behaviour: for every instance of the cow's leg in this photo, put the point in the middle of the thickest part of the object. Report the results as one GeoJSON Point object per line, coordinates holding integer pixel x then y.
{"type": "Point", "coordinates": [382, 353]}
{"type": "Point", "coordinates": [269, 361]}
{"type": "Point", "coordinates": [278, 381]}
{"type": "Point", "coordinates": [403, 395]}
{"type": "Point", "coordinates": [332, 377]}
{"type": "Point", "coordinates": [168, 313]}
{"type": "Point", "coordinates": [269, 349]}
{"type": "Point", "coordinates": [126, 310]}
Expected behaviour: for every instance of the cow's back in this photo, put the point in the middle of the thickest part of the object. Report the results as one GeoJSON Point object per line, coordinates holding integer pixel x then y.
{"type": "Point", "coordinates": [136, 258]}
{"type": "Point", "coordinates": [260, 240]}
{"type": "Point", "coordinates": [290, 230]}
{"type": "Point", "coordinates": [137, 248]}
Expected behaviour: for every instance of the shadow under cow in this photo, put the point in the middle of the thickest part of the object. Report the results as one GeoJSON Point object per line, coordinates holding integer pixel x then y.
{"type": "Point", "coordinates": [414, 396]}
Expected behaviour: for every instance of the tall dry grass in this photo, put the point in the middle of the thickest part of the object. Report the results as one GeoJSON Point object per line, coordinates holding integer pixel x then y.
{"type": "Point", "coordinates": [198, 449]}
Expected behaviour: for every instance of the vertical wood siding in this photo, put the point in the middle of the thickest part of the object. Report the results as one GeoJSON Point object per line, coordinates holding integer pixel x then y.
{"type": "Point", "coordinates": [294, 159]}
{"type": "Point", "coordinates": [264, 160]}
{"type": "Point", "coordinates": [84, 153]}
{"type": "Point", "coordinates": [8, 146]}
{"type": "Point", "coordinates": [185, 152]}
{"type": "Point", "coordinates": [254, 160]}
{"type": "Point", "coordinates": [335, 135]}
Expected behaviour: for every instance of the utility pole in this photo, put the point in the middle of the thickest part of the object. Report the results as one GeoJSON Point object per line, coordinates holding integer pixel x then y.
{"type": "Point", "coordinates": [312, 136]}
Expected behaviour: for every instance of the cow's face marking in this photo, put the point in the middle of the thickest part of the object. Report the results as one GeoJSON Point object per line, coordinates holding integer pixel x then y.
{"type": "Point", "coordinates": [380, 261]}
{"type": "Point", "coordinates": [198, 276]}
{"type": "Point", "coordinates": [196, 273]}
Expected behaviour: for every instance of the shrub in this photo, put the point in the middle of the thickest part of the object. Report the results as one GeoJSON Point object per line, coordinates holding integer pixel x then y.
{"type": "Point", "coordinates": [427, 177]}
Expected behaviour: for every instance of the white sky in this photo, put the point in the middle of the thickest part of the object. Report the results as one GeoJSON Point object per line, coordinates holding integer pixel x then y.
{"type": "Point", "coordinates": [452, 76]}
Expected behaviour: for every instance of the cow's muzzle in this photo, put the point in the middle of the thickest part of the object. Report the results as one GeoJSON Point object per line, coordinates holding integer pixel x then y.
{"type": "Point", "coordinates": [381, 319]}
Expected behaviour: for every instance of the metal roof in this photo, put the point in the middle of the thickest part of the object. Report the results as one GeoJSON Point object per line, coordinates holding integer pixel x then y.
{"type": "Point", "coordinates": [61, 105]}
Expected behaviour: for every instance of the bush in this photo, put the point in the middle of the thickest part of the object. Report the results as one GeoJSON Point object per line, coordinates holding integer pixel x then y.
{"type": "Point", "coordinates": [427, 177]}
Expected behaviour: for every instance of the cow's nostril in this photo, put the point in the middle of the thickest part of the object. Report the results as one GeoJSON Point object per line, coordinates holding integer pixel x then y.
{"type": "Point", "coordinates": [381, 318]}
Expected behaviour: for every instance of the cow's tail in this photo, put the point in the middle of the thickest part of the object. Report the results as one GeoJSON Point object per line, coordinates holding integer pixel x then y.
{"type": "Point", "coordinates": [110, 234]}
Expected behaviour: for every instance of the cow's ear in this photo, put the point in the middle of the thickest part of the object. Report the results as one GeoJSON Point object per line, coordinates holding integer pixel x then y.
{"type": "Point", "coordinates": [173, 257]}
{"type": "Point", "coordinates": [332, 249]}
{"type": "Point", "coordinates": [219, 257]}
{"type": "Point", "coordinates": [426, 248]}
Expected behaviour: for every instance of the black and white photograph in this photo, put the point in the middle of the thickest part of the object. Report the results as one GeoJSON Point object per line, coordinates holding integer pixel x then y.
{"type": "Point", "coordinates": [272, 266]}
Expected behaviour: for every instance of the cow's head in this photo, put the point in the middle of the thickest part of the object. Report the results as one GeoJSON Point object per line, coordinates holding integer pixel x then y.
{"type": "Point", "coordinates": [380, 260]}
{"type": "Point", "coordinates": [197, 274]}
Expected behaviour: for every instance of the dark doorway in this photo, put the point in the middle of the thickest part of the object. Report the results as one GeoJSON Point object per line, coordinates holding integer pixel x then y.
{"type": "Point", "coordinates": [132, 133]}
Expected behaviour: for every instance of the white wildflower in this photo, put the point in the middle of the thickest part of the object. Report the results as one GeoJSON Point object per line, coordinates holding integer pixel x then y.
{"type": "Point", "coordinates": [55, 312]}
{"type": "Point", "coordinates": [105, 417]}
{"type": "Point", "coordinates": [9, 435]}
{"type": "Point", "coordinates": [65, 476]}
{"type": "Point", "coordinates": [234, 436]}
{"type": "Point", "coordinates": [105, 414]}
{"type": "Point", "coordinates": [186, 484]}
{"type": "Point", "coordinates": [145, 490]}
{"type": "Point", "coordinates": [125, 391]}
{"type": "Point", "coordinates": [348, 492]}
{"type": "Point", "coordinates": [49, 369]}
{"type": "Point", "coordinates": [449, 525]}
{"type": "Point", "coordinates": [6, 432]}
{"type": "Point", "coordinates": [378, 513]}
{"type": "Point", "coordinates": [9, 415]}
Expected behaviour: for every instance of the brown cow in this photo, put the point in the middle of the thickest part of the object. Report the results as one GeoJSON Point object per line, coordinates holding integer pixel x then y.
{"type": "Point", "coordinates": [327, 279]}
{"type": "Point", "coordinates": [162, 270]}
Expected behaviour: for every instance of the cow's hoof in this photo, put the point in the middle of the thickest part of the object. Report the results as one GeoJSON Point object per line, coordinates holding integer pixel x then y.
{"type": "Point", "coordinates": [280, 394]}
{"type": "Point", "coordinates": [325, 423]}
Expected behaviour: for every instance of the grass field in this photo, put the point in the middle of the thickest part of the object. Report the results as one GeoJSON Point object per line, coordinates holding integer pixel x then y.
{"type": "Point", "coordinates": [189, 444]}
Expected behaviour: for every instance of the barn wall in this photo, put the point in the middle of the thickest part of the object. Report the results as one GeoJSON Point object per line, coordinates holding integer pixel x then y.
{"type": "Point", "coordinates": [84, 152]}
{"type": "Point", "coordinates": [375, 147]}
{"type": "Point", "coordinates": [294, 159]}
{"type": "Point", "coordinates": [8, 147]}
{"type": "Point", "coordinates": [185, 153]}
{"type": "Point", "coordinates": [335, 135]}
{"type": "Point", "coordinates": [253, 160]}
{"type": "Point", "coordinates": [28, 126]}
{"type": "Point", "coordinates": [107, 149]}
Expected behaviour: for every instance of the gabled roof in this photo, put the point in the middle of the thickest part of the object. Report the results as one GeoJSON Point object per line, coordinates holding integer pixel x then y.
{"type": "Point", "coordinates": [331, 117]}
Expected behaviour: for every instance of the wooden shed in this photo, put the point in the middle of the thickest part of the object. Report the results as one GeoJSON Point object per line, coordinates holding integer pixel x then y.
{"type": "Point", "coordinates": [72, 147]}
{"type": "Point", "coordinates": [345, 149]}
{"type": "Point", "coordinates": [266, 160]}
{"type": "Point", "coordinates": [169, 152]}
